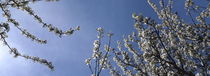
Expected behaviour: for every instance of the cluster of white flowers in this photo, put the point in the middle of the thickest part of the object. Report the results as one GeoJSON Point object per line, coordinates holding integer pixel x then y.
{"type": "Point", "coordinates": [100, 59]}
{"type": "Point", "coordinates": [24, 6]}
{"type": "Point", "coordinates": [169, 47]}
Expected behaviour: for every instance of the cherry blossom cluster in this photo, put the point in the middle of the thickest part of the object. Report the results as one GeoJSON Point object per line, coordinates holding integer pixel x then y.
{"type": "Point", "coordinates": [169, 46]}
{"type": "Point", "coordinates": [99, 59]}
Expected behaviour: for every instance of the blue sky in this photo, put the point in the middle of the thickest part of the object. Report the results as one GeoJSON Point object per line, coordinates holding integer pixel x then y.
{"type": "Point", "coordinates": [68, 53]}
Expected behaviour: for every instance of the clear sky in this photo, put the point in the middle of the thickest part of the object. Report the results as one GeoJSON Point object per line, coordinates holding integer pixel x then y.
{"type": "Point", "coordinates": [68, 53]}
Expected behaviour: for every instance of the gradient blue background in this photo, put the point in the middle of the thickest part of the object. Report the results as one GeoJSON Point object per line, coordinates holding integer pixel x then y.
{"type": "Point", "coordinates": [68, 53]}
